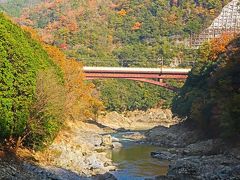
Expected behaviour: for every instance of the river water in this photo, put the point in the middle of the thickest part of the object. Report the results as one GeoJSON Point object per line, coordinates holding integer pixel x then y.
{"type": "Point", "coordinates": [134, 162]}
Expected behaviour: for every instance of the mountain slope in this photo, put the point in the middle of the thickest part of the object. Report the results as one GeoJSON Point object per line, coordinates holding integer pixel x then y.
{"type": "Point", "coordinates": [15, 8]}
{"type": "Point", "coordinates": [211, 94]}
{"type": "Point", "coordinates": [21, 61]}
{"type": "Point", "coordinates": [121, 30]}
{"type": "Point", "coordinates": [40, 88]}
{"type": "Point", "coordinates": [128, 33]}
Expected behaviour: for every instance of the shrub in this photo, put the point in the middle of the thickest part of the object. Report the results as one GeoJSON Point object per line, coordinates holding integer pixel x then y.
{"type": "Point", "coordinates": [47, 110]}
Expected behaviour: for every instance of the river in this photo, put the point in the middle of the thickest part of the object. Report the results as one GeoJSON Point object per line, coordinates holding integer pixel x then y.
{"type": "Point", "coordinates": [133, 160]}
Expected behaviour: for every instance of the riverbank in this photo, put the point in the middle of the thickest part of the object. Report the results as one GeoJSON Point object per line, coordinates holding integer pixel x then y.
{"type": "Point", "coordinates": [138, 120]}
{"type": "Point", "coordinates": [82, 146]}
{"type": "Point", "coordinates": [192, 156]}
{"type": "Point", "coordinates": [81, 151]}
{"type": "Point", "coordinates": [77, 153]}
{"type": "Point", "coordinates": [17, 169]}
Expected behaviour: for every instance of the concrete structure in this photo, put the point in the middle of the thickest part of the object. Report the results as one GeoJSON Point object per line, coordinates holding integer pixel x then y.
{"type": "Point", "coordinates": [227, 21]}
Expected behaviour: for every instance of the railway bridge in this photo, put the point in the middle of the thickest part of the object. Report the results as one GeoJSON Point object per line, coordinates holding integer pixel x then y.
{"type": "Point", "coordinates": [154, 76]}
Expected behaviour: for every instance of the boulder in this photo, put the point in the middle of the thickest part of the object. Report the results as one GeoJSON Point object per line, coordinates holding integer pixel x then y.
{"type": "Point", "coordinates": [107, 140]}
{"type": "Point", "coordinates": [96, 140]}
{"type": "Point", "coordinates": [208, 147]}
{"type": "Point", "coordinates": [134, 136]}
{"type": "Point", "coordinates": [163, 155]}
{"type": "Point", "coordinates": [184, 170]}
{"type": "Point", "coordinates": [106, 176]}
{"type": "Point", "coordinates": [94, 162]}
{"type": "Point", "coordinates": [114, 139]}
{"type": "Point", "coordinates": [117, 145]}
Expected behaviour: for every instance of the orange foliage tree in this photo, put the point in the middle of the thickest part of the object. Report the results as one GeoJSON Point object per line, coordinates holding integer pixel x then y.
{"type": "Point", "coordinates": [211, 50]}
{"type": "Point", "coordinates": [218, 45]}
{"type": "Point", "coordinates": [137, 26]}
{"type": "Point", "coordinates": [123, 12]}
{"type": "Point", "coordinates": [81, 100]}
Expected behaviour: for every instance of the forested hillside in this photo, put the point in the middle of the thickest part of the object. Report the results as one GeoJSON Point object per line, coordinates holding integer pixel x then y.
{"type": "Point", "coordinates": [129, 33]}
{"type": "Point", "coordinates": [211, 94]}
{"type": "Point", "coordinates": [36, 93]}
{"type": "Point", "coordinates": [15, 8]}
{"type": "Point", "coordinates": [23, 60]}
{"type": "Point", "coordinates": [66, 126]}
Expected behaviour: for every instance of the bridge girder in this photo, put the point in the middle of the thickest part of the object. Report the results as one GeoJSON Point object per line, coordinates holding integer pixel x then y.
{"type": "Point", "coordinates": [151, 76]}
{"type": "Point", "coordinates": [135, 75]}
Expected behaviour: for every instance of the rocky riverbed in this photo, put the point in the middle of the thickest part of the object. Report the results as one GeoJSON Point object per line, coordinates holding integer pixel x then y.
{"type": "Point", "coordinates": [16, 169]}
{"type": "Point", "coordinates": [77, 153]}
{"type": "Point", "coordinates": [193, 157]}
{"type": "Point", "coordinates": [80, 150]}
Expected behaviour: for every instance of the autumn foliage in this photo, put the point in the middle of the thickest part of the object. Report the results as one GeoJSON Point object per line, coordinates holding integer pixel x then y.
{"type": "Point", "coordinates": [81, 100]}
{"type": "Point", "coordinates": [210, 50]}
{"type": "Point", "coordinates": [218, 45]}
{"type": "Point", "coordinates": [210, 97]}
{"type": "Point", "coordinates": [137, 26]}
{"type": "Point", "coordinates": [31, 90]}
{"type": "Point", "coordinates": [134, 32]}
{"type": "Point", "coordinates": [122, 12]}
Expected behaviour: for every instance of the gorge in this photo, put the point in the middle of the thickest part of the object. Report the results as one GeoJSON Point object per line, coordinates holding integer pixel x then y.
{"type": "Point", "coordinates": [68, 109]}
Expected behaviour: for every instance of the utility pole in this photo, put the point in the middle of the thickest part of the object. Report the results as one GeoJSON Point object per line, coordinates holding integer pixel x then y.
{"type": "Point", "coordinates": [160, 60]}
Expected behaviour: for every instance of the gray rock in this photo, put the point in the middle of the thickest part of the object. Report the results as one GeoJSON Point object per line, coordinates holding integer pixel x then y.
{"type": "Point", "coordinates": [107, 140]}
{"type": "Point", "coordinates": [94, 163]}
{"type": "Point", "coordinates": [208, 147]}
{"type": "Point", "coordinates": [205, 167]}
{"type": "Point", "coordinates": [15, 170]}
{"type": "Point", "coordinates": [114, 139]}
{"type": "Point", "coordinates": [184, 170]}
{"type": "Point", "coordinates": [96, 140]}
{"type": "Point", "coordinates": [163, 155]}
{"type": "Point", "coordinates": [235, 172]}
{"type": "Point", "coordinates": [175, 136]}
{"type": "Point", "coordinates": [106, 176]}
{"type": "Point", "coordinates": [163, 178]}
{"type": "Point", "coordinates": [117, 145]}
